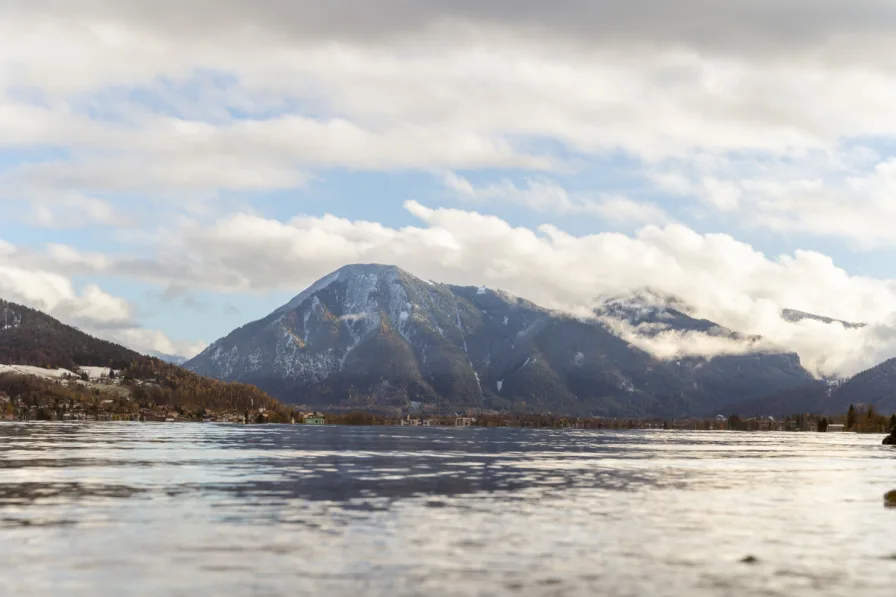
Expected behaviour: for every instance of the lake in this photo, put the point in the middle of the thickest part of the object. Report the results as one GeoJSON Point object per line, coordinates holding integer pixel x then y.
{"type": "Point", "coordinates": [177, 509]}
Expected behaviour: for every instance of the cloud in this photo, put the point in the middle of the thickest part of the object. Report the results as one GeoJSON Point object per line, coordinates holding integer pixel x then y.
{"type": "Point", "coordinates": [647, 87]}
{"type": "Point", "coordinates": [623, 210]}
{"type": "Point", "coordinates": [668, 344]}
{"type": "Point", "coordinates": [723, 279]}
{"type": "Point", "coordinates": [155, 342]}
{"type": "Point", "coordinates": [73, 211]}
{"type": "Point", "coordinates": [196, 99]}
{"type": "Point", "coordinates": [91, 309]}
{"type": "Point", "coordinates": [537, 195]}
{"type": "Point", "coordinates": [132, 115]}
{"type": "Point", "coordinates": [160, 155]}
{"type": "Point", "coordinates": [848, 194]}
{"type": "Point", "coordinates": [738, 26]}
{"type": "Point", "coordinates": [67, 257]}
{"type": "Point", "coordinates": [545, 196]}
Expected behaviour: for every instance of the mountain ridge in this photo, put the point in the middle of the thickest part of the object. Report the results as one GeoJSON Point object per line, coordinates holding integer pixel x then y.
{"type": "Point", "coordinates": [30, 337]}
{"type": "Point", "coordinates": [33, 339]}
{"type": "Point", "coordinates": [795, 316]}
{"type": "Point", "coordinates": [875, 387]}
{"type": "Point", "coordinates": [375, 336]}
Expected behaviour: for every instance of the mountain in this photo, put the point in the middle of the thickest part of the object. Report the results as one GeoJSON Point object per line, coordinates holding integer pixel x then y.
{"type": "Point", "coordinates": [654, 313]}
{"type": "Point", "coordinates": [377, 337]}
{"type": "Point", "coordinates": [873, 387]}
{"type": "Point", "coordinates": [795, 316]}
{"type": "Point", "coordinates": [168, 358]}
{"type": "Point", "coordinates": [814, 397]}
{"type": "Point", "coordinates": [31, 339]}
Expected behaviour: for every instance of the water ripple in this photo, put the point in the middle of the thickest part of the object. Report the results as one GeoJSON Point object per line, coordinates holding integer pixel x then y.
{"type": "Point", "coordinates": [154, 509]}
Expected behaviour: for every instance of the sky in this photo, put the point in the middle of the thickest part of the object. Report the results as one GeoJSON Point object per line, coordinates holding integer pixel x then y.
{"type": "Point", "coordinates": [172, 170]}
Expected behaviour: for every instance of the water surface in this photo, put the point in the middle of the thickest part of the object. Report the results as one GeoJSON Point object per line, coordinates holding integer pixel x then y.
{"type": "Point", "coordinates": [175, 509]}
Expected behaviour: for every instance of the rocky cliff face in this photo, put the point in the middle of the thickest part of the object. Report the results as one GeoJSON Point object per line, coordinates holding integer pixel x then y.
{"type": "Point", "coordinates": [374, 336]}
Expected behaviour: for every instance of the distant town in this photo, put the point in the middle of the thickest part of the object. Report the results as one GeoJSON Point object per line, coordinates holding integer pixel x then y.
{"type": "Point", "coordinates": [105, 394]}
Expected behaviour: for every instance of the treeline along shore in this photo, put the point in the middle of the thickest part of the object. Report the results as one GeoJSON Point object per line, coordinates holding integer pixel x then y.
{"type": "Point", "coordinates": [150, 391]}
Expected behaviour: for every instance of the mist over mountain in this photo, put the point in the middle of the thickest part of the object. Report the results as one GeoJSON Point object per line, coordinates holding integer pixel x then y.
{"type": "Point", "coordinates": [794, 316]}
{"type": "Point", "coordinates": [377, 337]}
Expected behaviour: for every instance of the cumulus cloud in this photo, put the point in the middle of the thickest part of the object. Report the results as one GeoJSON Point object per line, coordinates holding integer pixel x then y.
{"type": "Point", "coordinates": [91, 308]}
{"type": "Point", "coordinates": [394, 104]}
{"type": "Point", "coordinates": [543, 195]}
{"type": "Point", "coordinates": [748, 108]}
{"type": "Point", "coordinates": [721, 278]}
{"type": "Point", "coordinates": [154, 342]}
{"type": "Point", "coordinates": [668, 344]}
{"type": "Point", "coordinates": [73, 211]}
{"type": "Point", "coordinates": [622, 210]}
{"type": "Point", "coordinates": [192, 99]}
{"type": "Point", "coordinates": [849, 194]}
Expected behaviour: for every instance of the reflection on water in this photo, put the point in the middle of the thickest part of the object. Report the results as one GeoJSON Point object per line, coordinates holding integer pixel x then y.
{"type": "Point", "coordinates": [147, 510]}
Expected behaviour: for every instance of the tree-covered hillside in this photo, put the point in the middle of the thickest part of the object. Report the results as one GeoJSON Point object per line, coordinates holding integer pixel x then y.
{"type": "Point", "coordinates": [30, 337]}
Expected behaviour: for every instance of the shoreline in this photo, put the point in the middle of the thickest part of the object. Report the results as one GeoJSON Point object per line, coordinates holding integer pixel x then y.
{"type": "Point", "coordinates": [471, 427]}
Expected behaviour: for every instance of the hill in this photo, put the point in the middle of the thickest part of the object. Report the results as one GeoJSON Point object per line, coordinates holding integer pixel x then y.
{"type": "Point", "coordinates": [59, 360]}
{"type": "Point", "coordinates": [873, 387]}
{"type": "Point", "coordinates": [31, 337]}
{"type": "Point", "coordinates": [814, 397]}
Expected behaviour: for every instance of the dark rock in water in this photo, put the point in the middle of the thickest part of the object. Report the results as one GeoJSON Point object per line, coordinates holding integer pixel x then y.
{"type": "Point", "coordinates": [750, 560]}
{"type": "Point", "coordinates": [890, 440]}
{"type": "Point", "coordinates": [890, 499]}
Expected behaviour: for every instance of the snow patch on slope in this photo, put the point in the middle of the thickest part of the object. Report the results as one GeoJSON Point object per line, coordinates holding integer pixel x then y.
{"type": "Point", "coordinates": [37, 371]}
{"type": "Point", "coordinates": [225, 360]}
{"type": "Point", "coordinates": [310, 291]}
{"type": "Point", "coordinates": [463, 337]}
{"type": "Point", "coordinates": [293, 361]}
{"type": "Point", "coordinates": [626, 385]}
{"type": "Point", "coordinates": [9, 320]}
{"type": "Point", "coordinates": [95, 372]}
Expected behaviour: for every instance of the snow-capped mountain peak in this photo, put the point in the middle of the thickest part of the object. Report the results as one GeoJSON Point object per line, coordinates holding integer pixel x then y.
{"type": "Point", "coordinates": [377, 336]}
{"type": "Point", "coordinates": [644, 306]}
